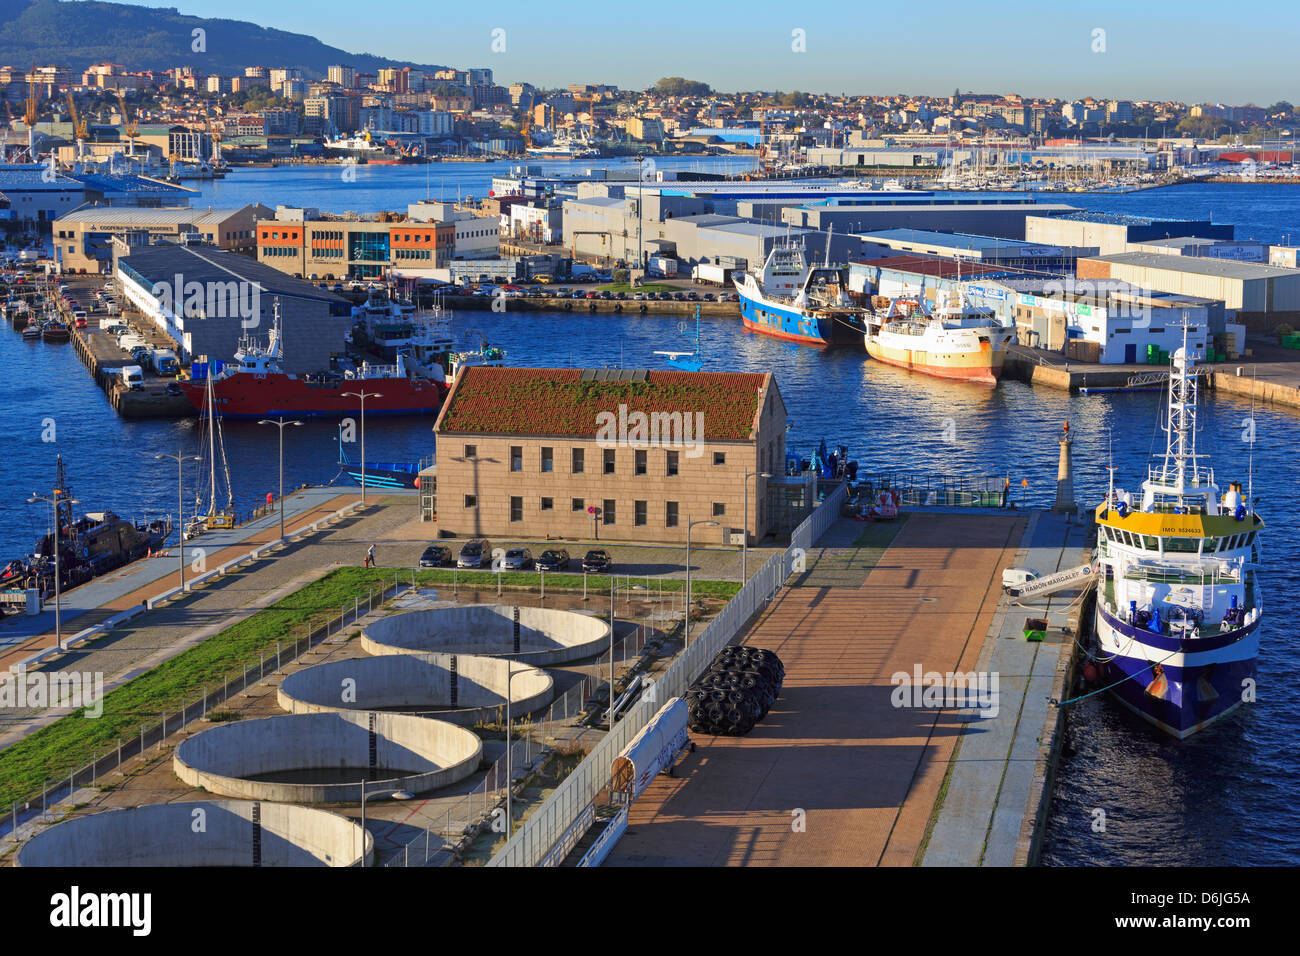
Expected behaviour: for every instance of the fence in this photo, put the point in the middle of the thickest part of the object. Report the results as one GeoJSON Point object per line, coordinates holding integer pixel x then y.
{"type": "Point", "coordinates": [151, 735]}
{"type": "Point", "coordinates": [549, 823]}
{"type": "Point", "coordinates": [960, 491]}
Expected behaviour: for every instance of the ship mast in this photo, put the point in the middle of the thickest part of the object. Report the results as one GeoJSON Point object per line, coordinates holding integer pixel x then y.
{"type": "Point", "coordinates": [1180, 427]}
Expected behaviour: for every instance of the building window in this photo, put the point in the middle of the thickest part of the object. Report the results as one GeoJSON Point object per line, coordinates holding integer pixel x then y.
{"type": "Point", "coordinates": [516, 457]}
{"type": "Point", "coordinates": [608, 511]}
{"type": "Point", "coordinates": [471, 451]}
{"type": "Point", "coordinates": [638, 513]}
{"type": "Point", "coordinates": [577, 461]}
{"type": "Point", "coordinates": [672, 463]}
{"type": "Point", "coordinates": [471, 501]}
{"type": "Point", "coordinates": [609, 461]}
{"type": "Point", "coordinates": [719, 509]}
{"type": "Point", "coordinates": [578, 505]}
{"type": "Point", "coordinates": [640, 462]}
{"type": "Point", "coordinates": [670, 515]}
{"type": "Point", "coordinates": [719, 457]}
{"type": "Point", "coordinates": [548, 504]}
{"type": "Point", "coordinates": [516, 509]}
{"type": "Point", "coordinates": [548, 459]}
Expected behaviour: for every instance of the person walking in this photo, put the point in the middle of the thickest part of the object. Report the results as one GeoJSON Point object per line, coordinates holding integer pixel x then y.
{"type": "Point", "coordinates": [370, 557]}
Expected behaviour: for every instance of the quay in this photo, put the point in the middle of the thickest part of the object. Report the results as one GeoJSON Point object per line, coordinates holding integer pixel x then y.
{"type": "Point", "coordinates": [837, 773]}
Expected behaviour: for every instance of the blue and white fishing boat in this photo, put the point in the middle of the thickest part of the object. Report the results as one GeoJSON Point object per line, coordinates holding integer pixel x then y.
{"type": "Point", "coordinates": [1179, 602]}
{"type": "Point", "coordinates": [791, 300]}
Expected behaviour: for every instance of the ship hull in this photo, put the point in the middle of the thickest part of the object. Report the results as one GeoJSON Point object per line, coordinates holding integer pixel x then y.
{"type": "Point", "coordinates": [280, 394]}
{"type": "Point", "coordinates": [381, 476]}
{"type": "Point", "coordinates": [983, 367]}
{"type": "Point", "coordinates": [1178, 685]}
{"type": "Point", "coordinates": [792, 325]}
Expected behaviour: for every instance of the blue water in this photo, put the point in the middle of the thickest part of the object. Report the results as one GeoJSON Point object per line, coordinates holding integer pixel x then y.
{"type": "Point", "coordinates": [1226, 796]}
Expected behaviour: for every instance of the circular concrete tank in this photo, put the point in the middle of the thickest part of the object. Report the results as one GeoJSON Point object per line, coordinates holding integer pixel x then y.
{"type": "Point", "coordinates": [546, 635]}
{"type": "Point", "coordinates": [205, 833]}
{"type": "Point", "coordinates": [423, 683]}
{"type": "Point", "coordinates": [322, 758]}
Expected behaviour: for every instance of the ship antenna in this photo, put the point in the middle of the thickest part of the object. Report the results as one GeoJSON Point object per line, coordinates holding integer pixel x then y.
{"type": "Point", "coordinates": [1250, 457]}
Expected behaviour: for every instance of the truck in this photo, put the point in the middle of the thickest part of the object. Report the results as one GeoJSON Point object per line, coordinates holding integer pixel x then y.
{"type": "Point", "coordinates": [708, 273]}
{"type": "Point", "coordinates": [662, 266]}
{"type": "Point", "coordinates": [582, 269]}
{"type": "Point", "coordinates": [163, 362]}
{"type": "Point", "coordinates": [131, 376]}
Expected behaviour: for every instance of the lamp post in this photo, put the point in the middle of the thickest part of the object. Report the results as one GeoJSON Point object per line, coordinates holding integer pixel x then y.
{"type": "Point", "coordinates": [510, 804]}
{"type": "Point", "coordinates": [280, 423]}
{"type": "Point", "coordinates": [744, 546]}
{"type": "Point", "coordinates": [56, 498]}
{"type": "Point", "coordinates": [397, 794]}
{"type": "Point", "coordinates": [180, 505]}
{"type": "Point", "coordinates": [686, 633]}
{"type": "Point", "coordinates": [363, 395]}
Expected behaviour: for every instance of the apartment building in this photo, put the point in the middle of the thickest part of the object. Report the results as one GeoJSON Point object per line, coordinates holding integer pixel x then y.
{"type": "Point", "coordinates": [300, 242]}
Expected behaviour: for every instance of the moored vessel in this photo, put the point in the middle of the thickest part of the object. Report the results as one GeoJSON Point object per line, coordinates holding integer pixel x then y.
{"type": "Point", "coordinates": [953, 341]}
{"type": "Point", "coordinates": [788, 299]}
{"type": "Point", "coordinates": [1179, 603]}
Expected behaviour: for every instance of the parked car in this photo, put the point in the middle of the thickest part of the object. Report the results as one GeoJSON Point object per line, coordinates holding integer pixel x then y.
{"type": "Point", "coordinates": [597, 562]}
{"type": "Point", "coordinates": [555, 559]}
{"type": "Point", "coordinates": [475, 554]}
{"type": "Point", "coordinates": [435, 556]}
{"type": "Point", "coordinates": [518, 559]}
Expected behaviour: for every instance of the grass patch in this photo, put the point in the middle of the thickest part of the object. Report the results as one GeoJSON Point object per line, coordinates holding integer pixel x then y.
{"type": "Point", "coordinates": [596, 583]}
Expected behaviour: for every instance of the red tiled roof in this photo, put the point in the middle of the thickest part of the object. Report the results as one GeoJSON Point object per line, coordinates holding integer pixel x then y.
{"type": "Point", "coordinates": [935, 266]}
{"type": "Point", "coordinates": [545, 401]}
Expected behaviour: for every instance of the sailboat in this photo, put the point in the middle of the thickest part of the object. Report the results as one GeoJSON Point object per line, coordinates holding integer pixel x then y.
{"type": "Point", "coordinates": [216, 493]}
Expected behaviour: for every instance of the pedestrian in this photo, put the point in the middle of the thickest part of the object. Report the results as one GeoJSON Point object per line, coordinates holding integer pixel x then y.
{"type": "Point", "coordinates": [370, 557]}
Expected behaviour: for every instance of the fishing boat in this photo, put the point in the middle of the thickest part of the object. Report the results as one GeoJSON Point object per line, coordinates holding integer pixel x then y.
{"type": "Point", "coordinates": [32, 332]}
{"type": "Point", "coordinates": [792, 300]}
{"type": "Point", "coordinates": [954, 340]}
{"type": "Point", "coordinates": [1179, 603]}
{"type": "Point", "coordinates": [55, 330]}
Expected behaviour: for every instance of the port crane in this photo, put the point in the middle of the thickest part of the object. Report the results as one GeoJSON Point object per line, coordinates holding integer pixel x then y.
{"type": "Point", "coordinates": [131, 127]}
{"type": "Point", "coordinates": [78, 125]}
{"type": "Point", "coordinates": [30, 110]}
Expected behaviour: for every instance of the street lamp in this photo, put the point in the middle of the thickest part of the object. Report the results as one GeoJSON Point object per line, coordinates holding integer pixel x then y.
{"type": "Point", "coordinates": [54, 502]}
{"type": "Point", "coordinates": [686, 634]}
{"type": "Point", "coordinates": [398, 794]}
{"type": "Point", "coordinates": [180, 506]}
{"type": "Point", "coordinates": [744, 546]}
{"type": "Point", "coordinates": [363, 395]}
{"type": "Point", "coordinates": [510, 806]}
{"type": "Point", "coordinates": [280, 423]}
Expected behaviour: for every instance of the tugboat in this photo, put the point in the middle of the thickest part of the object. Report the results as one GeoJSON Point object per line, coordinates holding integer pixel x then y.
{"type": "Point", "coordinates": [1179, 600]}
{"type": "Point", "coordinates": [93, 544]}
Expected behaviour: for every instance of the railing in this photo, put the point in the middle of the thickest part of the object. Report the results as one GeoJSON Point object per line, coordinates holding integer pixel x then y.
{"type": "Point", "coordinates": [952, 491]}
{"type": "Point", "coordinates": [546, 826]}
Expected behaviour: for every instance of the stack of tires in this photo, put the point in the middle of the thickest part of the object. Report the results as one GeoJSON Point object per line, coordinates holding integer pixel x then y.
{"type": "Point", "coordinates": [736, 692]}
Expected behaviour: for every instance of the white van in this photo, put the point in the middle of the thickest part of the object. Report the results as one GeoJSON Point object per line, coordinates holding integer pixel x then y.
{"type": "Point", "coordinates": [133, 376]}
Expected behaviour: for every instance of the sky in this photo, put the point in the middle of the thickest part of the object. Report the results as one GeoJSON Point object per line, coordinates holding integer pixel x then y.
{"type": "Point", "coordinates": [1193, 50]}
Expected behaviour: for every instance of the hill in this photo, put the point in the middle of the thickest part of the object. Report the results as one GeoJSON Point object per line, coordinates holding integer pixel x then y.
{"type": "Point", "coordinates": [75, 35]}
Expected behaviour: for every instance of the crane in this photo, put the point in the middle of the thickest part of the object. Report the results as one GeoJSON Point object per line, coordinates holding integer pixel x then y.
{"type": "Point", "coordinates": [132, 127]}
{"type": "Point", "coordinates": [78, 125]}
{"type": "Point", "coordinates": [215, 137]}
{"type": "Point", "coordinates": [30, 110]}
{"type": "Point", "coordinates": [528, 123]}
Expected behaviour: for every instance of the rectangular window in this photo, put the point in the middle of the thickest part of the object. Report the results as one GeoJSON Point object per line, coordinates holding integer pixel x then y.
{"type": "Point", "coordinates": [719, 457]}
{"type": "Point", "coordinates": [516, 457]}
{"type": "Point", "coordinates": [608, 511]}
{"type": "Point", "coordinates": [640, 462]}
{"type": "Point", "coordinates": [516, 509]}
{"type": "Point", "coordinates": [471, 451]}
{"type": "Point", "coordinates": [670, 515]}
{"type": "Point", "coordinates": [609, 461]}
{"type": "Point", "coordinates": [719, 509]}
{"type": "Point", "coordinates": [548, 504]}
{"type": "Point", "coordinates": [471, 501]}
{"type": "Point", "coordinates": [578, 505]}
{"type": "Point", "coordinates": [638, 513]}
{"type": "Point", "coordinates": [548, 459]}
{"type": "Point", "coordinates": [672, 463]}
{"type": "Point", "coordinates": [577, 461]}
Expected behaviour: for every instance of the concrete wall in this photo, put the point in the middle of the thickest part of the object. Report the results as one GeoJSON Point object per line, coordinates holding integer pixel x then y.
{"type": "Point", "coordinates": [409, 682]}
{"type": "Point", "coordinates": [164, 835]}
{"type": "Point", "coordinates": [546, 635]}
{"type": "Point", "coordinates": [220, 759]}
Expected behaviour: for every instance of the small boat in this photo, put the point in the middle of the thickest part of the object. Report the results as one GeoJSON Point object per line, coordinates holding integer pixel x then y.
{"type": "Point", "coordinates": [33, 330]}
{"type": "Point", "coordinates": [55, 331]}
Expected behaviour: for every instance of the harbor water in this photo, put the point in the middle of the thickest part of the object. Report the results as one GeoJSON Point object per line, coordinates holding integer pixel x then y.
{"type": "Point", "coordinates": [1224, 797]}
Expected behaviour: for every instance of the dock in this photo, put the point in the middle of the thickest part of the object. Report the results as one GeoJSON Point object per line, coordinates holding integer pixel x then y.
{"type": "Point", "coordinates": [839, 773]}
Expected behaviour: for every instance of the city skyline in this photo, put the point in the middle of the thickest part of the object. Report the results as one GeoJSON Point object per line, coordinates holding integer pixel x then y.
{"type": "Point", "coordinates": [1139, 55]}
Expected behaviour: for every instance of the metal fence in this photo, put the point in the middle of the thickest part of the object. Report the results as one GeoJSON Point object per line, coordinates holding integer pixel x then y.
{"type": "Point", "coordinates": [953, 491]}
{"type": "Point", "coordinates": [549, 823]}
{"type": "Point", "coordinates": [38, 802]}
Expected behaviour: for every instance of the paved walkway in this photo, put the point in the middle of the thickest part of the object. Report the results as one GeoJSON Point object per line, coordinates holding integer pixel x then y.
{"type": "Point", "coordinates": [836, 774]}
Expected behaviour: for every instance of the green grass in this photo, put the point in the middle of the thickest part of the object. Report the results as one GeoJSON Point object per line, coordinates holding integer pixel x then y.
{"type": "Point", "coordinates": [71, 742]}
{"type": "Point", "coordinates": [596, 583]}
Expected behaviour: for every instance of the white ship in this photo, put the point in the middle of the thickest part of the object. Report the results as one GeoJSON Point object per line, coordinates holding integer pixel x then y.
{"type": "Point", "coordinates": [954, 340]}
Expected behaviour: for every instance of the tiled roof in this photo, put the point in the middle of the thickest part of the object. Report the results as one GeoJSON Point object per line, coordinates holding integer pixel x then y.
{"type": "Point", "coordinates": [559, 402]}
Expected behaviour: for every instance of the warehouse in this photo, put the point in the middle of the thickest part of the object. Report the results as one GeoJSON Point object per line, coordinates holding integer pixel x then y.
{"type": "Point", "coordinates": [984, 217]}
{"type": "Point", "coordinates": [83, 238]}
{"type": "Point", "coordinates": [1112, 233]}
{"type": "Point", "coordinates": [207, 300]}
{"type": "Point", "coordinates": [1261, 296]}
{"type": "Point", "coordinates": [987, 250]}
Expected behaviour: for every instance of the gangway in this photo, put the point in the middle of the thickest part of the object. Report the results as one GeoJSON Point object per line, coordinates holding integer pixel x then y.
{"type": "Point", "coordinates": [1081, 576]}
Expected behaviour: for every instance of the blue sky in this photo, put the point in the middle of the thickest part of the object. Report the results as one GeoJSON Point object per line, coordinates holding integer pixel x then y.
{"type": "Point", "coordinates": [1194, 50]}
